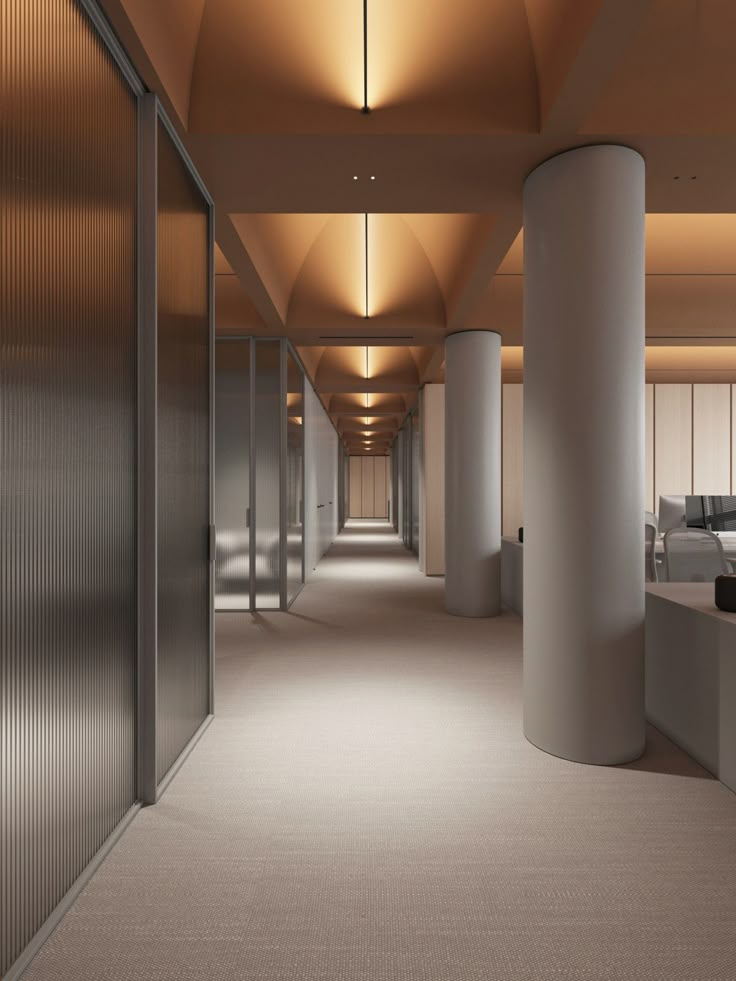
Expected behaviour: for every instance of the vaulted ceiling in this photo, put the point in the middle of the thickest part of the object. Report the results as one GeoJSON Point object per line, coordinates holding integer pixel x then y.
{"type": "Point", "coordinates": [387, 230]}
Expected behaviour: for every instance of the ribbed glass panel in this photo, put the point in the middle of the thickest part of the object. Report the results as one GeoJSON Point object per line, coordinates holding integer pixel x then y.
{"type": "Point", "coordinates": [183, 449]}
{"type": "Point", "coordinates": [415, 465]}
{"type": "Point", "coordinates": [268, 468]}
{"type": "Point", "coordinates": [68, 153]}
{"type": "Point", "coordinates": [406, 430]}
{"type": "Point", "coordinates": [401, 483]}
{"type": "Point", "coordinates": [232, 469]}
{"type": "Point", "coordinates": [294, 478]}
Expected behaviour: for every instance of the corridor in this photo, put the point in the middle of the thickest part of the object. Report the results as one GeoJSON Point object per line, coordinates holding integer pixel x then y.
{"type": "Point", "coordinates": [364, 806]}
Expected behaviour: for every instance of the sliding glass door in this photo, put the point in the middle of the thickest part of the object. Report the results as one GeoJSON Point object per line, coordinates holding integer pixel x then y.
{"type": "Point", "coordinates": [259, 466]}
{"type": "Point", "coordinates": [232, 486]}
{"type": "Point", "coordinates": [294, 477]}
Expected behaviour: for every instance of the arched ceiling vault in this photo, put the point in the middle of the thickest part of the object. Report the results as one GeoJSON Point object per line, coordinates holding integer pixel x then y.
{"type": "Point", "coordinates": [467, 97]}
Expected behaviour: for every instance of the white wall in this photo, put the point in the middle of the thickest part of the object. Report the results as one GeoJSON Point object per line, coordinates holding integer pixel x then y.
{"type": "Point", "coordinates": [320, 481]}
{"type": "Point", "coordinates": [432, 481]}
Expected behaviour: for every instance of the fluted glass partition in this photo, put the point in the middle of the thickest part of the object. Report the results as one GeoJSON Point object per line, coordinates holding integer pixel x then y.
{"type": "Point", "coordinates": [232, 473]}
{"type": "Point", "coordinates": [259, 474]}
{"type": "Point", "coordinates": [294, 477]}
{"type": "Point", "coordinates": [267, 420]}
{"type": "Point", "coordinates": [68, 327]}
{"type": "Point", "coordinates": [183, 454]}
{"type": "Point", "coordinates": [406, 443]}
{"type": "Point", "coordinates": [415, 465]}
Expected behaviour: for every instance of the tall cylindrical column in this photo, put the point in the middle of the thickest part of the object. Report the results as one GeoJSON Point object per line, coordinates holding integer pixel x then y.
{"type": "Point", "coordinates": [584, 455]}
{"type": "Point", "coordinates": [473, 473]}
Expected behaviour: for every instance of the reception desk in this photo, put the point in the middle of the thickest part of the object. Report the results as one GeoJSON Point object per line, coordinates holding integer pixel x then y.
{"type": "Point", "coordinates": [691, 673]}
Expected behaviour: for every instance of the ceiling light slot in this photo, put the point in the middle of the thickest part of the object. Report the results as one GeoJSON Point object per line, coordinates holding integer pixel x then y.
{"type": "Point", "coordinates": [365, 107]}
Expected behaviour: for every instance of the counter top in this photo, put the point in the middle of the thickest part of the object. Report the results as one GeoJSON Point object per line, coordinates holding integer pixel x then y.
{"type": "Point", "coordinates": [696, 596]}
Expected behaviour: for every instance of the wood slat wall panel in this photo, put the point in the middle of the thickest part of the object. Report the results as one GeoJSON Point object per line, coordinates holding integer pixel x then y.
{"type": "Point", "coordinates": [673, 440]}
{"type": "Point", "coordinates": [512, 459]}
{"type": "Point", "coordinates": [649, 503]}
{"type": "Point", "coordinates": [711, 439]}
{"type": "Point", "coordinates": [356, 487]}
{"type": "Point", "coordinates": [380, 489]}
{"type": "Point", "coordinates": [367, 502]}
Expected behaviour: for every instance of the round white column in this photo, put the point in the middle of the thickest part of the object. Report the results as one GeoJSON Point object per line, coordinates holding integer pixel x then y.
{"type": "Point", "coordinates": [584, 455]}
{"type": "Point", "coordinates": [473, 473]}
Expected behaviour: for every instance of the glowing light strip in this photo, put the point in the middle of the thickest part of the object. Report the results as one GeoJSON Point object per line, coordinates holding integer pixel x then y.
{"type": "Point", "coordinates": [365, 108]}
{"type": "Point", "coordinates": [367, 315]}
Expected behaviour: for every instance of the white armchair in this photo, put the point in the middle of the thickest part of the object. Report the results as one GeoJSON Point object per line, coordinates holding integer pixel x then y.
{"type": "Point", "coordinates": [693, 555]}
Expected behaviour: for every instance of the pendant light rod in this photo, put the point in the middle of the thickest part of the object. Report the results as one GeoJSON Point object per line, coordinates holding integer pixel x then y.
{"type": "Point", "coordinates": [366, 107]}
{"type": "Point", "coordinates": [367, 315]}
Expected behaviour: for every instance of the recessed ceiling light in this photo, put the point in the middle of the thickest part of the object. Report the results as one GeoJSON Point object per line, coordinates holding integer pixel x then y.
{"type": "Point", "coordinates": [355, 177]}
{"type": "Point", "coordinates": [373, 177]}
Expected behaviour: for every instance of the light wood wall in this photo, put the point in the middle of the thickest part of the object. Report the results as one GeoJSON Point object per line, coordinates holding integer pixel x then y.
{"type": "Point", "coordinates": [712, 439]}
{"type": "Point", "coordinates": [690, 440]}
{"type": "Point", "coordinates": [512, 458]}
{"type": "Point", "coordinates": [369, 487]}
{"type": "Point", "coordinates": [672, 451]}
{"type": "Point", "coordinates": [432, 485]}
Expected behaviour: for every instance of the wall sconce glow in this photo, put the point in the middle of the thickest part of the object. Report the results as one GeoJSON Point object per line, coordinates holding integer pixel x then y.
{"type": "Point", "coordinates": [365, 108]}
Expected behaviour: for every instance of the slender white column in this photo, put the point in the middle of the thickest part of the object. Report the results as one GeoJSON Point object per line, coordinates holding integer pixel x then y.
{"type": "Point", "coordinates": [473, 473]}
{"type": "Point", "coordinates": [584, 455]}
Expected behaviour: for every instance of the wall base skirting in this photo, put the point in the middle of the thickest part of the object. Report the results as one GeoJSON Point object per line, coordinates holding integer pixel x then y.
{"type": "Point", "coordinates": [181, 758]}
{"type": "Point", "coordinates": [17, 969]}
{"type": "Point", "coordinates": [39, 939]}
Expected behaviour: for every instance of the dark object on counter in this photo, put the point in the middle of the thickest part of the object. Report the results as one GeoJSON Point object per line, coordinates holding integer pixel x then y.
{"type": "Point", "coordinates": [726, 593]}
{"type": "Point", "coordinates": [521, 535]}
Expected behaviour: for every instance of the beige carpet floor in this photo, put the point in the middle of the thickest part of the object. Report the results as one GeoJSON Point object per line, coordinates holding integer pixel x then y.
{"type": "Point", "coordinates": [365, 806]}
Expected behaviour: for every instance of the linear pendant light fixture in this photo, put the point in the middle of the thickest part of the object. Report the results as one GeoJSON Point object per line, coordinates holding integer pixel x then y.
{"type": "Point", "coordinates": [365, 107]}
{"type": "Point", "coordinates": [365, 238]}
